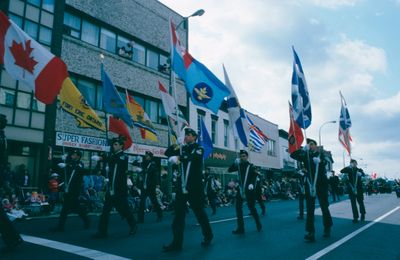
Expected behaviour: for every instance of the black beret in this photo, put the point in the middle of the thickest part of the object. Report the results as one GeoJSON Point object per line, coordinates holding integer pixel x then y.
{"type": "Point", "coordinates": [149, 153]}
{"type": "Point", "coordinates": [76, 151]}
{"type": "Point", "coordinates": [309, 140]}
{"type": "Point", "coordinates": [120, 140]}
{"type": "Point", "coordinates": [244, 152]}
{"type": "Point", "coordinates": [190, 131]}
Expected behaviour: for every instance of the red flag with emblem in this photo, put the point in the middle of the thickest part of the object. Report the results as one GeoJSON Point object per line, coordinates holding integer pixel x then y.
{"type": "Point", "coordinates": [28, 61]}
{"type": "Point", "coordinates": [295, 138]}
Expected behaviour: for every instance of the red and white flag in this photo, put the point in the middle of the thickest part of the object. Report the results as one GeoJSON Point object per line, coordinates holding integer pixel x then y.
{"type": "Point", "coordinates": [28, 61]}
{"type": "Point", "coordinates": [119, 127]}
{"type": "Point", "coordinates": [295, 138]}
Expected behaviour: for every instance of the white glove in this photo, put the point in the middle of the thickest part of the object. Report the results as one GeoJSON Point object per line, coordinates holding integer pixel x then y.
{"type": "Point", "coordinates": [237, 161]}
{"type": "Point", "coordinates": [64, 157]}
{"type": "Point", "coordinates": [251, 187]}
{"type": "Point", "coordinates": [107, 168]}
{"type": "Point", "coordinates": [61, 165]}
{"type": "Point", "coordinates": [106, 180]}
{"type": "Point", "coordinates": [174, 159]}
{"type": "Point", "coordinates": [137, 169]}
{"type": "Point", "coordinates": [305, 148]}
{"type": "Point", "coordinates": [96, 158]}
{"type": "Point", "coordinates": [316, 160]}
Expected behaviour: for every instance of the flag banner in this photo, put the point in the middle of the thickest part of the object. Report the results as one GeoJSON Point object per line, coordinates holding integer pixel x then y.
{"type": "Point", "coordinates": [140, 119]}
{"type": "Point", "coordinates": [205, 140]}
{"type": "Point", "coordinates": [295, 137]}
{"type": "Point", "coordinates": [118, 126]}
{"type": "Point", "coordinates": [257, 139]}
{"type": "Point", "coordinates": [237, 116]}
{"type": "Point", "coordinates": [75, 104]}
{"type": "Point", "coordinates": [300, 97]}
{"type": "Point", "coordinates": [28, 61]}
{"type": "Point", "coordinates": [169, 105]}
{"type": "Point", "coordinates": [344, 126]}
{"type": "Point", "coordinates": [204, 87]}
{"type": "Point", "coordinates": [112, 101]}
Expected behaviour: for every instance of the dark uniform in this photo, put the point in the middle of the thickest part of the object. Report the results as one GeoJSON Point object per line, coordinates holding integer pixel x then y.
{"type": "Point", "coordinates": [246, 185]}
{"type": "Point", "coordinates": [258, 194]}
{"type": "Point", "coordinates": [117, 192]}
{"type": "Point", "coordinates": [355, 189]}
{"type": "Point", "coordinates": [189, 189]}
{"type": "Point", "coordinates": [211, 190]}
{"type": "Point", "coordinates": [72, 189]}
{"type": "Point", "coordinates": [149, 175]}
{"type": "Point", "coordinates": [8, 233]}
{"type": "Point", "coordinates": [334, 182]}
{"type": "Point", "coordinates": [301, 194]}
{"type": "Point", "coordinates": [310, 160]}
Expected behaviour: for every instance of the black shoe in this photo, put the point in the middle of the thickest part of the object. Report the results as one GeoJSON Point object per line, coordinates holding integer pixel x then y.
{"type": "Point", "coordinates": [309, 237]}
{"type": "Point", "coordinates": [238, 231]}
{"type": "Point", "coordinates": [355, 220]}
{"type": "Point", "coordinates": [207, 241]}
{"type": "Point", "coordinates": [99, 236]}
{"type": "Point", "coordinates": [57, 229]}
{"type": "Point", "coordinates": [133, 230]}
{"type": "Point", "coordinates": [362, 217]}
{"type": "Point", "coordinates": [10, 248]}
{"type": "Point", "coordinates": [327, 232]}
{"type": "Point", "coordinates": [171, 248]}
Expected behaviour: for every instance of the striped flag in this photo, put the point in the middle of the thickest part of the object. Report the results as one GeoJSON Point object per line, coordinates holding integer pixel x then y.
{"type": "Point", "coordinates": [344, 126]}
{"type": "Point", "coordinates": [257, 139]}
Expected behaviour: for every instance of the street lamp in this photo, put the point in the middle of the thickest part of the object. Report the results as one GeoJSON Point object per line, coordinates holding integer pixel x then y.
{"type": "Point", "coordinates": [328, 122]}
{"type": "Point", "coordinates": [199, 12]}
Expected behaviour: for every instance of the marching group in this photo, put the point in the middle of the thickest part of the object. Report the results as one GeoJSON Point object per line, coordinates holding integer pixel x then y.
{"type": "Point", "coordinates": [190, 187]}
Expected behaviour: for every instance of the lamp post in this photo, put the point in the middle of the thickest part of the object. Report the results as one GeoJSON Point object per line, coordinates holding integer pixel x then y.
{"type": "Point", "coordinates": [199, 12]}
{"type": "Point", "coordinates": [328, 122]}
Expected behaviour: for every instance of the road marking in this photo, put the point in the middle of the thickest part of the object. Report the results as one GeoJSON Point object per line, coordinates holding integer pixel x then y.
{"type": "Point", "coordinates": [223, 220]}
{"type": "Point", "coordinates": [76, 250]}
{"type": "Point", "coordinates": [349, 236]}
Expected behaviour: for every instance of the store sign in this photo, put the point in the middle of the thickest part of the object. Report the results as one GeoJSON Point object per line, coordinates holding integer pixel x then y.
{"type": "Point", "coordinates": [100, 144]}
{"type": "Point", "coordinates": [221, 158]}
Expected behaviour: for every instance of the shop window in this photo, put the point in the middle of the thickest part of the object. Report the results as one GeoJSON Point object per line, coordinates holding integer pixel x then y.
{"type": "Point", "coordinates": [90, 33]}
{"type": "Point", "coordinates": [152, 59]}
{"type": "Point", "coordinates": [17, 7]}
{"type": "Point", "coordinates": [107, 40]}
{"type": "Point", "coordinates": [139, 53]}
{"type": "Point", "coordinates": [32, 13]}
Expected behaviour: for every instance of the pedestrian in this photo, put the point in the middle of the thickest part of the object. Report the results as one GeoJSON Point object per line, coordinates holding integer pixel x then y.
{"type": "Point", "coordinates": [316, 185]}
{"type": "Point", "coordinates": [245, 190]}
{"type": "Point", "coordinates": [301, 192]}
{"type": "Point", "coordinates": [355, 189]}
{"type": "Point", "coordinates": [117, 189]}
{"type": "Point", "coordinates": [149, 174]}
{"type": "Point", "coordinates": [211, 191]}
{"type": "Point", "coordinates": [74, 171]}
{"type": "Point", "coordinates": [334, 183]}
{"type": "Point", "coordinates": [189, 188]}
{"type": "Point", "coordinates": [54, 191]}
{"type": "Point", "coordinates": [259, 193]}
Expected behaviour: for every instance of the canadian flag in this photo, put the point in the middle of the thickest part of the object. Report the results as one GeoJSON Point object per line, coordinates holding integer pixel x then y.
{"type": "Point", "coordinates": [28, 61]}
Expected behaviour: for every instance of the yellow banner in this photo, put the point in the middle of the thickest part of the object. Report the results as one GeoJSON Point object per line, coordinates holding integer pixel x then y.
{"type": "Point", "coordinates": [74, 103]}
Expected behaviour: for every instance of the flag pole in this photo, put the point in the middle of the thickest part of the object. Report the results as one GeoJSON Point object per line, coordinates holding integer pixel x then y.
{"type": "Point", "coordinates": [105, 120]}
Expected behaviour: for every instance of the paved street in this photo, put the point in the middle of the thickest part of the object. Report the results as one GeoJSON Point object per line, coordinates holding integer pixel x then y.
{"type": "Point", "coordinates": [281, 238]}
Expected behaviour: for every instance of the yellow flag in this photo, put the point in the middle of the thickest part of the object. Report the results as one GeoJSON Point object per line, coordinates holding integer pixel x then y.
{"type": "Point", "coordinates": [74, 103]}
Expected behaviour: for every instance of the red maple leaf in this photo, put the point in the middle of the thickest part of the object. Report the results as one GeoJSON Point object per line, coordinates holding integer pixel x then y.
{"type": "Point", "coordinates": [22, 56]}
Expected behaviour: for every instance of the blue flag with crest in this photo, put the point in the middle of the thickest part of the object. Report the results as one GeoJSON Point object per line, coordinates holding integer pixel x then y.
{"type": "Point", "coordinates": [300, 97]}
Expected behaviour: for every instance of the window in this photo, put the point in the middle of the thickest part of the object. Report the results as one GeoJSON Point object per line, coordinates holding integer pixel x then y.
{"type": "Point", "coordinates": [200, 116]}
{"type": "Point", "coordinates": [226, 133]}
{"type": "Point", "coordinates": [99, 98]}
{"type": "Point", "coordinates": [7, 97]}
{"type": "Point", "coordinates": [48, 5]}
{"type": "Point", "coordinates": [124, 47]}
{"type": "Point", "coordinates": [271, 147]}
{"type": "Point", "coordinates": [139, 53]}
{"type": "Point", "coordinates": [107, 40]}
{"type": "Point", "coordinates": [16, 19]}
{"type": "Point", "coordinates": [17, 7]}
{"type": "Point", "coordinates": [214, 129]}
{"type": "Point", "coordinates": [73, 23]}
{"type": "Point", "coordinates": [152, 59]}
{"type": "Point", "coordinates": [32, 13]}
{"type": "Point", "coordinates": [47, 19]}
{"type": "Point", "coordinates": [90, 33]}
{"type": "Point", "coordinates": [38, 106]}
{"type": "Point", "coordinates": [162, 115]}
{"type": "Point", "coordinates": [34, 2]}
{"type": "Point", "coordinates": [45, 35]}
{"type": "Point", "coordinates": [151, 110]}
{"type": "Point", "coordinates": [24, 100]}
{"type": "Point", "coordinates": [88, 90]}
{"type": "Point", "coordinates": [31, 29]}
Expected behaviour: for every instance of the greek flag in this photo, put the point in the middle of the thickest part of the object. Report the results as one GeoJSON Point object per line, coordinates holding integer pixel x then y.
{"type": "Point", "coordinates": [300, 97]}
{"type": "Point", "coordinates": [257, 139]}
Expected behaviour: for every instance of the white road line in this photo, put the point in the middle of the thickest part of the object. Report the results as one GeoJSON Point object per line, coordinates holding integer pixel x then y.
{"type": "Point", "coordinates": [223, 220]}
{"type": "Point", "coordinates": [76, 250]}
{"type": "Point", "coordinates": [349, 236]}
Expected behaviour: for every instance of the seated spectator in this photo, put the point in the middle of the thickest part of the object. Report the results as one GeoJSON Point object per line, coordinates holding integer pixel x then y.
{"type": "Point", "coordinates": [12, 211]}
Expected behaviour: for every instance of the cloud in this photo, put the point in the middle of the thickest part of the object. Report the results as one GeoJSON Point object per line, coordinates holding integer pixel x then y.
{"type": "Point", "coordinates": [387, 107]}
{"type": "Point", "coordinates": [333, 4]}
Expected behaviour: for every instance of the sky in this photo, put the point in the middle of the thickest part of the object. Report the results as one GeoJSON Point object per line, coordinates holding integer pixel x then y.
{"type": "Point", "coordinates": [352, 46]}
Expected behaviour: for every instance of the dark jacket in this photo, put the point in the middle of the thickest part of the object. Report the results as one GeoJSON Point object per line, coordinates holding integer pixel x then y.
{"type": "Point", "coordinates": [352, 174]}
{"type": "Point", "coordinates": [191, 154]}
{"type": "Point", "coordinates": [149, 175]}
{"type": "Point", "coordinates": [251, 177]}
{"type": "Point", "coordinates": [73, 178]}
{"type": "Point", "coordinates": [117, 184]}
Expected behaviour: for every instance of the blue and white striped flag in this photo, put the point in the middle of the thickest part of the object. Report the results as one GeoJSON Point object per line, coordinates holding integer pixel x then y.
{"type": "Point", "coordinates": [300, 97]}
{"type": "Point", "coordinates": [257, 139]}
{"type": "Point", "coordinates": [237, 116]}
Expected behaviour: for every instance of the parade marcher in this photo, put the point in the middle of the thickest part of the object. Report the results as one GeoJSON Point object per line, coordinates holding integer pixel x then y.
{"type": "Point", "coordinates": [245, 190]}
{"type": "Point", "coordinates": [74, 172]}
{"type": "Point", "coordinates": [211, 191]}
{"type": "Point", "coordinates": [189, 189]}
{"type": "Point", "coordinates": [8, 233]}
{"type": "Point", "coordinates": [355, 188]}
{"type": "Point", "coordinates": [149, 183]}
{"type": "Point", "coordinates": [334, 183]}
{"type": "Point", "coordinates": [258, 193]}
{"type": "Point", "coordinates": [117, 189]}
{"type": "Point", "coordinates": [316, 185]}
{"type": "Point", "coordinates": [301, 194]}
